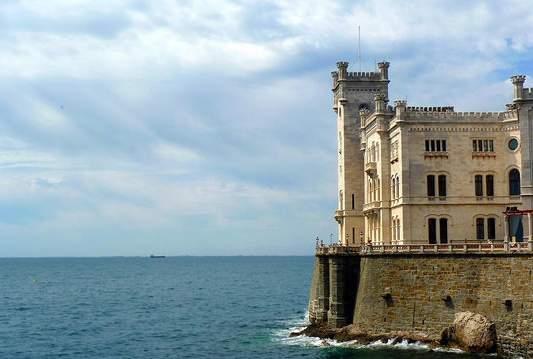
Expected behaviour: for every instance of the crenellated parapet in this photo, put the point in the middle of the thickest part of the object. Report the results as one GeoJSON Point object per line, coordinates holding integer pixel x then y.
{"type": "Point", "coordinates": [361, 76]}
{"type": "Point", "coordinates": [460, 116]}
{"type": "Point", "coordinates": [430, 109]}
{"type": "Point", "coordinates": [342, 73]}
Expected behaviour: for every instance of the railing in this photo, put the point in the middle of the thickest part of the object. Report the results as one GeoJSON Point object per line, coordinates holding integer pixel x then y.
{"type": "Point", "coordinates": [451, 248]}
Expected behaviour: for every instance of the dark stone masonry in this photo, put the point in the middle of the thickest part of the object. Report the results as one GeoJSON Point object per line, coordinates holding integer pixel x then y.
{"type": "Point", "coordinates": [417, 296]}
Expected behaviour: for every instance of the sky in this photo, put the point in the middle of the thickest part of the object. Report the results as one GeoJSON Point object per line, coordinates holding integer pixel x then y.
{"type": "Point", "coordinates": [176, 127]}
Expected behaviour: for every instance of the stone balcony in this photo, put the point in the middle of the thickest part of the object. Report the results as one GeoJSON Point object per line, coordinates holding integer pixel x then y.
{"type": "Point", "coordinates": [371, 168]}
{"type": "Point", "coordinates": [370, 206]}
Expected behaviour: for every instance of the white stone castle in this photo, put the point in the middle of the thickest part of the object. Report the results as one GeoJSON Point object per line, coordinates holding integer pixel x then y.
{"type": "Point", "coordinates": [430, 175]}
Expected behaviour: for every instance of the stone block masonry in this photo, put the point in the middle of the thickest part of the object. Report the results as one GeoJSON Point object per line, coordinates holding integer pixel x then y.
{"type": "Point", "coordinates": [420, 294]}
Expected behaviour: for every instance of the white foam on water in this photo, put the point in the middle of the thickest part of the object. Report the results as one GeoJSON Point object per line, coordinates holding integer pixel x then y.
{"type": "Point", "coordinates": [299, 324]}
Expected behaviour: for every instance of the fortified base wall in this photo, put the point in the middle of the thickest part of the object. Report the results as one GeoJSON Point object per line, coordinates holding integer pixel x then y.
{"type": "Point", "coordinates": [420, 293]}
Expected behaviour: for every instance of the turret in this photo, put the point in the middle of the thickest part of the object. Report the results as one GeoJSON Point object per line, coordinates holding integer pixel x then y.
{"type": "Point", "coordinates": [384, 70]}
{"type": "Point", "coordinates": [343, 70]}
{"type": "Point", "coordinates": [518, 86]}
{"type": "Point", "coordinates": [380, 103]}
{"type": "Point", "coordinates": [401, 107]}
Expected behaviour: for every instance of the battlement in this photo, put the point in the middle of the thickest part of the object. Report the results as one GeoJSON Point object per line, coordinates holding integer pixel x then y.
{"type": "Point", "coordinates": [430, 109]}
{"type": "Point", "coordinates": [363, 76]}
{"type": "Point", "coordinates": [342, 73]}
{"type": "Point", "coordinates": [460, 116]}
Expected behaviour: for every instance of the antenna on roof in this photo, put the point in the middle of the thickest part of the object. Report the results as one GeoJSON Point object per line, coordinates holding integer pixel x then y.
{"type": "Point", "coordinates": [359, 45]}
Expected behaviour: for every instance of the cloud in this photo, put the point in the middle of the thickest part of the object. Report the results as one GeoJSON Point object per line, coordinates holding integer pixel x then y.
{"type": "Point", "coordinates": [206, 127]}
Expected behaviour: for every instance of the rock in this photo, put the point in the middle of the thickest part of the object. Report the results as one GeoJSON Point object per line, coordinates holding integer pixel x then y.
{"type": "Point", "coordinates": [471, 332]}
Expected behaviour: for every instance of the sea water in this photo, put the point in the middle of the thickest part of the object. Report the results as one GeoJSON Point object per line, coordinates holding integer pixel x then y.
{"type": "Point", "coordinates": [174, 307]}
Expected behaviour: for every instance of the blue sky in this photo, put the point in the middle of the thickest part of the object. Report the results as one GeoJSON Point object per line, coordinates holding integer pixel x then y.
{"type": "Point", "coordinates": [130, 127]}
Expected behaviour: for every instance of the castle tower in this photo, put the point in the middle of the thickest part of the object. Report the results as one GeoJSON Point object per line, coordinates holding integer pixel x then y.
{"type": "Point", "coordinates": [353, 92]}
{"type": "Point", "coordinates": [523, 100]}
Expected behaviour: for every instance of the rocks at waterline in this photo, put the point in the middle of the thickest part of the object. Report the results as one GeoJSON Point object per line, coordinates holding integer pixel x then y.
{"type": "Point", "coordinates": [471, 332]}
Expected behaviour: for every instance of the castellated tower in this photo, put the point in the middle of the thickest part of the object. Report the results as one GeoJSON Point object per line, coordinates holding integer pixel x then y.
{"type": "Point", "coordinates": [353, 92]}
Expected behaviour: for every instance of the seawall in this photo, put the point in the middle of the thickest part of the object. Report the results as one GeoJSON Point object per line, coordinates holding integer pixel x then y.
{"type": "Point", "coordinates": [383, 294]}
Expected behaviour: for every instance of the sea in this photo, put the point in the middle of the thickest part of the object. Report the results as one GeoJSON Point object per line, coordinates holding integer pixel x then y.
{"type": "Point", "coordinates": [173, 307]}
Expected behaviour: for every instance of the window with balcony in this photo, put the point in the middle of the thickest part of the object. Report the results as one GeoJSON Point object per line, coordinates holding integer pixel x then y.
{"type": "Point", "coordinates": [486, 223]}
{"type": "Point", "coordinates": [438, 230]}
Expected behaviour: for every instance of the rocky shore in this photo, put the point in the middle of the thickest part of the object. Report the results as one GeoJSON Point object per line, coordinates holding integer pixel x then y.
{"type": "Point", "coordinates": [470, 332]}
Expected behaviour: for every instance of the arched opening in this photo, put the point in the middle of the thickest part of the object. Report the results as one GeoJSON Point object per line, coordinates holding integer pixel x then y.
{"type": "Point", "coordinates": [431, 185]}
{"type": "Point", "coordinates": [397, 187]}
{"type": "Point", "coordinates": [442, 185]}
{"type": "Point", "coordinates": [490, 185]}
{"type": "Point", "coordinates": [514, 182]}
{"type": "Point", "coordinates": [478, 180]}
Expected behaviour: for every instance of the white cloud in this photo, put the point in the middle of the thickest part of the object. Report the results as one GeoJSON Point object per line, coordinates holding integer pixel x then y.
{"type": "Point", "coordinates": [214, 117]}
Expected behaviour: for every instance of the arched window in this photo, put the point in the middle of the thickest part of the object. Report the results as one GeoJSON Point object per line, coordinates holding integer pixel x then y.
{"type": "Point", "coordinates": [514, 182]}
{"type": "Point", "coordinates": [480, 229]}
{"type": "Point", "coordinates": [432, 230]}
{"type": "Point", "coordinates": [397, 187]}
{"type": "Point", "coordinates": [490, 185]}
{"type": "Point", "coordinates": [442, 185]}
{"type": "Point", "coordinates": [491, 228]}
{"type": "Point", "coordinates": [398, 235]}
{"type": "Point", "coordinates": [443, 230]}
{"type": "Point", "coordinates": [478, 180]}
{"type": "Point", "coordinates": [393, 189]}
{"type": "Point", "coordinates": [431, 185]}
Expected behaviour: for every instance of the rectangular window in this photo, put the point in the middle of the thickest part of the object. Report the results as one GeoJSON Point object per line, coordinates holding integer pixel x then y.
{"type": "Point", "coordinates": [479, 185]}
{"type": "Point", "coordinates": [490, 185]}
{"type": "Point", "coordinates": [431, 185]}
{"type": "Point", "coordinates": [353, 235]}
{"type": "Point", "coordinates": [432, 230]}
{"type": "Point", "coordinates": [353, 201]}
{"type": "Point", "coordinates": [480, 229]}
{"type": "Point", "coordinates": [483, 145]}
{"type": "Point", "coordinates": [443, 230]}
{"type": "Point", "coordinates": [442, 186]}
{"type": "Point", "coordinates": [491, 228]}
{"type": "Point", "coordinates": [435, 145]}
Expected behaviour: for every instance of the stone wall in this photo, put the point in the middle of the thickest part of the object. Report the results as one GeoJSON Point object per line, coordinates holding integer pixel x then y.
{"type": "Point", "coordinates": [420, 294]}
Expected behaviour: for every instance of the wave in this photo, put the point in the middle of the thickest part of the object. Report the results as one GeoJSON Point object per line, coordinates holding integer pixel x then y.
{"type": "Point", "coordinates": [292, 325]}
